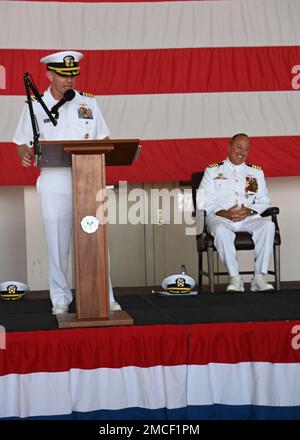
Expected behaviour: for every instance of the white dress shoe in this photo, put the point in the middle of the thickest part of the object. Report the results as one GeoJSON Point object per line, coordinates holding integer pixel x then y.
{"type": "Point", "coordinates": [59, 309]}
{"type": "Point", "coordinates": [259, 284]}
{"type": "Point", "coordinates": [236, 285]}
{"type": "Point", "coordinates": [114, 306]}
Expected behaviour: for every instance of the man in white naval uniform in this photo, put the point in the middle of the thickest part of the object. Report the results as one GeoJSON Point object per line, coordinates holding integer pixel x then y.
{"type": "Point", "coordinates": [235, 194]}
{"type": "Point", "coordinates": [78, 119]}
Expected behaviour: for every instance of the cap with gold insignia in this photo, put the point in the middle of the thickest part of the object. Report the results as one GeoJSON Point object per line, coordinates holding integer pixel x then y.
{"type": "Point", "coordinates": [12, 290]}
{"type": "Point", "coordinates": [63, 63]}
{"type": "Point", "coordinates": [178, 284]}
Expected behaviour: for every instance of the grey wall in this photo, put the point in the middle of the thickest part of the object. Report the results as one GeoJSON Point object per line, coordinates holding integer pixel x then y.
{"type": "Point", "coordinates": [140, 254]}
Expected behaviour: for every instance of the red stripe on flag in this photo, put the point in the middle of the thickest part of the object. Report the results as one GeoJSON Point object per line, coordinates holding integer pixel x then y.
{"type": "Point", "coordinates": [176, 159]}
{"type": "Point", "coordinates": [12, 172]}
{"type": "Point", "coordinates": [62, 350]}
{"type": "Point", "coordinates": [193, 70]}
{"type": "Point", "coordinates": [173, 160]}
{"type": "Point", "coordinates": [244, 342]}
{"type": "Point", "coordinates": [148, 346]}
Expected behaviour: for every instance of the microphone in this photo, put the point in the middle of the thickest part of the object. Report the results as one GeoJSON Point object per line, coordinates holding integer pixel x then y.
{"type": "Point", "coordinates": [68, 96]}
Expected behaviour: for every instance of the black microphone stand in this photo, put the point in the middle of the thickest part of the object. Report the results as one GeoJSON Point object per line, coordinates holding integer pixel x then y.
{"type": "Point", "coordinates": [29, 85]}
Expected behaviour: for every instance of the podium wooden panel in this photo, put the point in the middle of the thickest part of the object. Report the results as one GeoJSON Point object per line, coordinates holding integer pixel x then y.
{"type": "Point", "coordinates": [91, 249]}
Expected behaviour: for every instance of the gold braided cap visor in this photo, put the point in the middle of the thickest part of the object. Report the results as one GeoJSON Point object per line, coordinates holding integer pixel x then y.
{"type": "Point", "coordinates": [11, 296]}
{"type": "Point", "coordinates": [179, 289]}
{"type": "Point", "coordinates": [65, 71]}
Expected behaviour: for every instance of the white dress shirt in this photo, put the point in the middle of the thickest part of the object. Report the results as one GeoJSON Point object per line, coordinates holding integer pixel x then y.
{"type": "Point", "coordinates": [225, 185]}
{"type": "Point", "coordinates": [78, 119]}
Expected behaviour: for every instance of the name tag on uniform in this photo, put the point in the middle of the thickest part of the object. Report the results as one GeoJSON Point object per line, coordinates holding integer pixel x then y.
{"type": "Point", "coordinates": [85, 112]}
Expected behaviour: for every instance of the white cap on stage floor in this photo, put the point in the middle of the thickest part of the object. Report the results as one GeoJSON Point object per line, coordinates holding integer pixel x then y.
{"type": "Point", "coordinates": [12, 290]}
{"type": "Point", "coordinates": [178, 283]}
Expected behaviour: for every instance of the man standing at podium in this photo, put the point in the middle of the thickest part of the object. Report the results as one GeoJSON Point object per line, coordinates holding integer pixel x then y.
{"type": "Point", "coordinates": [78, 118]}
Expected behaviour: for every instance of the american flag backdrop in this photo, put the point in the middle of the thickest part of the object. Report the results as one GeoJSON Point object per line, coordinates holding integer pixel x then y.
{"type": "Point", "coordinates": [182, 76]}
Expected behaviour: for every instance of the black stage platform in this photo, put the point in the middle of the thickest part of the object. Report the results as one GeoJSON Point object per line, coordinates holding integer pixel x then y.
{"type": "Point", "coordinates": [33, 312]}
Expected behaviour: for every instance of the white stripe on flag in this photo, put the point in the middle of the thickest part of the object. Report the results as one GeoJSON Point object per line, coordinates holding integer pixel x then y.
{"type": "Point", "coordinates": [26, 395]}
{"type": "Point", "coordinates": [181, 116]}
{"type": "Point", "coordinates": [245, 383]}
{"type": "Point", "coordinates": [38, 25]}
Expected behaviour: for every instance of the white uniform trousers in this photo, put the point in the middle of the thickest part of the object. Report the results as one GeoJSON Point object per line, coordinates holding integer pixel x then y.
{"type": "Point", "coordinates": [55, 188]}
{"type": "Point", "coordinates": [262, 231]}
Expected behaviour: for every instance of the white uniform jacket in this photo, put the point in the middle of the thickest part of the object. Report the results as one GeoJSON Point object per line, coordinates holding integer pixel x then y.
{"type": "Point", "coordinates": [78, 119]}
{"type": "Point", "coordinates": [225, 185]}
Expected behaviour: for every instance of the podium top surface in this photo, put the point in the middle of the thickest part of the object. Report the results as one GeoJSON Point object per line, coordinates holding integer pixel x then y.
{"type": "Point", "coordinates": [118, 152]}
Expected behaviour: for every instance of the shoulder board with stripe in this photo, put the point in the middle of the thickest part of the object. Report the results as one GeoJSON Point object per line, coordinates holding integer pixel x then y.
{"type": "Point", "coordinates": [89, 95]}
{"type": "Point", "coordinates": [33, 98]}
{"type": "Point", "coordinates": [256, 167]}
{"type": "Point", "coordinates": [215, 164]}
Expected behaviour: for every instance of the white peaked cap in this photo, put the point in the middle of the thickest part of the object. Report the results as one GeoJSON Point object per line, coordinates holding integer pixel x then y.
{"type": "Point", "coordinates": [171, 280]}
{"type": "Point", "coordinates": [58, 57]}
{"type": "Point", "coordinates": [63, 63]}
{"type": "Point", "coordinates": [12, 290]}
{"type": "Point", "coordinates": [20, 286]}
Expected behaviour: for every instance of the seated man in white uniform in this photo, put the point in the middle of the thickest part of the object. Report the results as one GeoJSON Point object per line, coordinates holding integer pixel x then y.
{"type": "Point", "coordinates": [78, 119]}
{"type": "Point", "coordinates": [235, 194]}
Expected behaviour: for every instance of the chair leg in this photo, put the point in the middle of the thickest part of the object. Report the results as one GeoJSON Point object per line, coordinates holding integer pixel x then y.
{"type": "Point", "coordinates": [210, 263]}
{"type": "Point", "coordinates": [277, 266]}
{"type": "Point", "coordinates": [200, 269]}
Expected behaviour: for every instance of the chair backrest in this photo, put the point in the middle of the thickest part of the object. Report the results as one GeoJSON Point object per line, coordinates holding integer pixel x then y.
{"type": "Point", "coordinates": [196, 180]}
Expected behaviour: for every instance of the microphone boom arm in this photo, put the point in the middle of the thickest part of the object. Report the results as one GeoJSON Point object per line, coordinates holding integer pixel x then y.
{"type": "Point", "coordinates": [35, 128]}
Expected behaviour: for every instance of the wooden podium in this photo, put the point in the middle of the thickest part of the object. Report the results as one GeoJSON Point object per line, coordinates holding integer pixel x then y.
{"type": "Point", "coordinates": [88, 160]}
